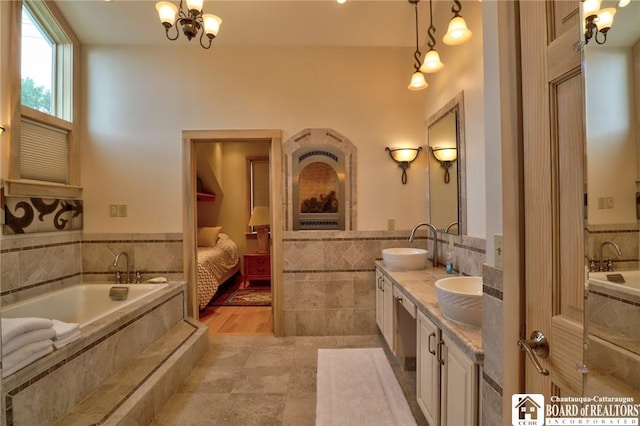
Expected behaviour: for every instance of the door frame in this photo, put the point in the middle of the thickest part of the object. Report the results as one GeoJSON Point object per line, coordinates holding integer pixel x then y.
{"type": "Point", "coordinates": [189, 139]}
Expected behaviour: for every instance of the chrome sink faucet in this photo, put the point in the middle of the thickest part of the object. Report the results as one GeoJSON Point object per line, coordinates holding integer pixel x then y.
{"type": "Point", "coordinates": [609, 266]}
{"type": "Point", "coordinates": [435, 239]}
{"type": "Point", "coordinates": [115, 265]}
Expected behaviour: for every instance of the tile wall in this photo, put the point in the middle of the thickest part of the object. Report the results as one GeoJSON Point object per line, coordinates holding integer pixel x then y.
{"type": "Point", "coordinates": [626, 236]}
{"type": "Point", "coordinates": [491, 380]}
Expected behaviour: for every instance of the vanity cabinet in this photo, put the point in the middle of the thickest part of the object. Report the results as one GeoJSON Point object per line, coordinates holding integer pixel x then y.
{"type": "Point", "coordinates": [384, 307]}
{"type": "Point", "coordinates": [447, 379]}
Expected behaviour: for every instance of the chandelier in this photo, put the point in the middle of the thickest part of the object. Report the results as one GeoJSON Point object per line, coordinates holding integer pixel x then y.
{"type": "Point", "coordinates": [191, 21]}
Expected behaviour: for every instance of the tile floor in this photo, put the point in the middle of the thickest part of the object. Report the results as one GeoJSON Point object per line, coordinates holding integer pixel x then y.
{"type": "Point", "coordinates": [262, 380]}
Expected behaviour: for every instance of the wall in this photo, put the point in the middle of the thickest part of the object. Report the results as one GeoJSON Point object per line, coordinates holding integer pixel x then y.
{"type": "Point", "coordinates": [360, 92]}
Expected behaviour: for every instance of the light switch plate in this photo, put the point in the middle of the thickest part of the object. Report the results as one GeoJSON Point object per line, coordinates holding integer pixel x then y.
{"type": "Point", "coordinates": [497, 246]}
{"type": "Point", "coordinates": [122, 210]}
{"type": "Point", "coordinates": [391, 224]}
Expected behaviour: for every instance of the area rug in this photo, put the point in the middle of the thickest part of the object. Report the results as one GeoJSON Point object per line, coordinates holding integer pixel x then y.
{"type": "Point", "coordinates": [243, 297]}
{"type": "Point", "coordinates": [358, 387]}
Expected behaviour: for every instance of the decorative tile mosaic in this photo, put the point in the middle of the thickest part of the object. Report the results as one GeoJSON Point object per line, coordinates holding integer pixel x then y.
{"type": "Point", "coordinates": [24, 215]}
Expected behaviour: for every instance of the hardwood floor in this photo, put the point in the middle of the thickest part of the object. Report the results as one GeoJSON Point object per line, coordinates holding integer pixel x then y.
{"type": "Point", "coordinates": [238, 319]}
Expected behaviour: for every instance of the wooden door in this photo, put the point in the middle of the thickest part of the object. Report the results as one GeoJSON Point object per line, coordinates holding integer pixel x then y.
{"type": "Point", "coordinates": [553, 153]}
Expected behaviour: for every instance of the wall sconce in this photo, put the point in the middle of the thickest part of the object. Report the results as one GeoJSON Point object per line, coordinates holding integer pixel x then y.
{"type": "Point", "coordinates": [446, 157]}
{"type": "Point", "coordinates": [404, 157]}
{"type": "Point", "coordinates": [597, 21]}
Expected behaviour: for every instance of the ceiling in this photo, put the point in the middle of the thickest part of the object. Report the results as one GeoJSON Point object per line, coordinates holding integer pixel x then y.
{"type": "Point", "coordinates": [256, 22]}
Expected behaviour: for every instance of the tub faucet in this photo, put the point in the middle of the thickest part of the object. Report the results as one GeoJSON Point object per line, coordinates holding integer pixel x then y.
{"type": "Point", "coordinates": [435, 239]}
{"type": "Point", "coordinates": [609, 266]}
{"type": "Point", "coordinates": [115, 265]}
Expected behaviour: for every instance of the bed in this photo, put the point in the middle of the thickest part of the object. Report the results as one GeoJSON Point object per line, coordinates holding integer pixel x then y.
{"type": "Point", "coordinates": [216, 264]}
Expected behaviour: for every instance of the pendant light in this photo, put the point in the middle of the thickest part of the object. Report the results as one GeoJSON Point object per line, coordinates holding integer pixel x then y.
{"type": "Point", "coordinates": [417, 79]}
{"type": "Point", "coordinates": [457, 33]}
{"type": "Point", "coordinates": [431, 61]}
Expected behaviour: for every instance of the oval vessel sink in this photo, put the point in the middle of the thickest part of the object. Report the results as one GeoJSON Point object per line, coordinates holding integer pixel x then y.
{"type": "Point", "coordinates": [460, 299]}
{"type": "Point", "coordinates": [404, 258]}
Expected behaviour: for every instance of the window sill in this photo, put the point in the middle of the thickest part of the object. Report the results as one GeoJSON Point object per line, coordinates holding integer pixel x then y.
{"type": "Point", "coordinates": [32, 188]}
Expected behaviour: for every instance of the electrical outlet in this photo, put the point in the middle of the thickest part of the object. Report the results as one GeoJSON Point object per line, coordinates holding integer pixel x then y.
{"type": "Point", "coordinates": [113, 210]}
{"type": "Point", "coordinates": [609, 202]}
{"type": "Point", "coordinates": [497, 245]}
{"type": "Point", "coordinates": [391, 224]}
{"type": "Point", "coordinates": [122, 210]}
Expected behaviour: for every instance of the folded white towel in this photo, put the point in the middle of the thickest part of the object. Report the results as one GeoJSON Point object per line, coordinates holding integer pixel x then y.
{"type": "Point", "coordinates": [64, 329]}
{"type": "Point", "coordinates": [24, 356]}
{"type": "Point", "coordinates": [11, 327]}
{"type": "Point", "coordinates": [157, 280]}
{"type": "Point", "coordinates": [26, 338]}
{"type": "Point", "coordinates": [61, 343]}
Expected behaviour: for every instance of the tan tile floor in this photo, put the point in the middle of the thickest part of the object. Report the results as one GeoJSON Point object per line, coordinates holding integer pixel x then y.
{"type": "Point", "coordinates": [263, 380]}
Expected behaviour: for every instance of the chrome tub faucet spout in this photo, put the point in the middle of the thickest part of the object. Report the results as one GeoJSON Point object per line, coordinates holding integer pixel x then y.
{"type": "Point", "coordinates": [115, 265]}
{"type": "Point", "coordinates": [435, 239]}
{"type": "Point", "coordinates": [609, 265]}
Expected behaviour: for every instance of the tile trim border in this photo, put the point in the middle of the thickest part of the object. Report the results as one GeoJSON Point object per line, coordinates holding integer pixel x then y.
{"type": "Point", "coordinates": [496, 387]}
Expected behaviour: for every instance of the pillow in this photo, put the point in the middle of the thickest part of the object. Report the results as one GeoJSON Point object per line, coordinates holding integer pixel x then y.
{"type": "Point", "coordinates": [208, 236]}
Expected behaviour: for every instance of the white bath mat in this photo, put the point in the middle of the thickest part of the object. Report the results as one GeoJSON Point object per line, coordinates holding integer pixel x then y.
{"type": "Point", "coordinates": [357, 387]}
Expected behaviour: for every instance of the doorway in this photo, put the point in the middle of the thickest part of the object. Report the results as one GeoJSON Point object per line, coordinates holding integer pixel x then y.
{"type": "Point", "coordinates": [191, 141]}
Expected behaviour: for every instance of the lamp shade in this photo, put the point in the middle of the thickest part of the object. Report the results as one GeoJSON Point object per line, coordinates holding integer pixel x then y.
{"type": "Point", "coordinates": [590, 7]}
{"type": "Point", "coordinates": [261, 216]}
{"type": "Point", "coordinates": [445, 154]}
{"type": "Point", "coordinates": [605, 19]}
{"type": "Point", "coordinates": [211, 24]}
{"type": "Point", "coordinates": [457, 33]}
{"type": "Point", "coordinates": [417, 81]}
{"type": "Point", "coordinates": [404, 154]}
{"type": "Point", "coordinates": [431, 62]}
{"type": "Point", "coordinates": [167, 12]}
{"type": "Point", "coordinates": [195, 5]}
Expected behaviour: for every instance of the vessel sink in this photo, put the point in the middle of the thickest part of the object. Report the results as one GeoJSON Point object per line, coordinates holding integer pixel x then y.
{"type": "Point", "coordinates": [404, 258]}
{"type": "Point", "coordinates": [460, 299]}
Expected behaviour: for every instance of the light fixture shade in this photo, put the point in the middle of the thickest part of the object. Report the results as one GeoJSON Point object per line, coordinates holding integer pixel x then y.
{"type": "Point", "coordinates": [211, 24]}
{"type": "Point", "coordinates": [590, 7]}
{"type": "Point", "coordinates": [167, 12]}
{"type": "Point", "coordinates": [431, 62]}
{"type": "Point", "coordinates": [445, 154]}
{"type": "Point", "coordinates": [457, 33]}
{"type": "Point", "coordinates": [418, 82]}
{"type": "Point", "coordinates": [260, 216]}
{"type": "Point", "coordinates": [605, 19]}
{"type": "Point", "coordinates": [195, 5]}
{"type": "Point", "coordinates": [342, 1]}
{"type": "Point", "coordinates": [624, 3]}
{"type": "Point", "coordinates": [404, 154]}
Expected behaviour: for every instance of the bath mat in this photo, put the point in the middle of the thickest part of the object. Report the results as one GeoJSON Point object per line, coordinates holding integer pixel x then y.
{"type": "Point", "coordinates": [358, 387]}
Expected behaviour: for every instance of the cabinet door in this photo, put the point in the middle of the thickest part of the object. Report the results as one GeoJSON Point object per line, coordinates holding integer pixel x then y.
{"type": "Point", "coordinates": [379, 300]}
{"type": "Point", "coordinates": [459, 387]}
{"type": "Point", "coordinates": [388, 323]}
{"type": "Point", "coordinates": [428, 369]}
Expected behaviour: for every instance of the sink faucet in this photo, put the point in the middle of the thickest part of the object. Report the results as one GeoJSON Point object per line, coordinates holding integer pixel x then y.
{"type": "Point", "coordinates": [449, 226]}
{"type": "Point", "coordinates": [609, 265]}
{"type": "Point", "coordinates": [435, 239]}
{"type": "Point", "coordinates": [115, 265]}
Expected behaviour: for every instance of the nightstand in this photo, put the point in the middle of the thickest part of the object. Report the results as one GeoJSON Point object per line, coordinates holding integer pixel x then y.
{"type": "Point", "coordinates": [256, 267]}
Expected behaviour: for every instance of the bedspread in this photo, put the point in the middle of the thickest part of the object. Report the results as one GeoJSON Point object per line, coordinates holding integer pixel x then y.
{"type": "Point", "coordinates": [213, 264]}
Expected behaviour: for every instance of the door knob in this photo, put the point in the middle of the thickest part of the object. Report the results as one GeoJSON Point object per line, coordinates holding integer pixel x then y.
{"type": "Point", "coordinates": [536, 346]}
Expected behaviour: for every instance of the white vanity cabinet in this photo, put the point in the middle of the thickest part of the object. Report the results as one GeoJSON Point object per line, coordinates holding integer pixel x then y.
{"type": "Point", "coordinates": [384, 307]}
{"type": "Point", "coordinates": [447, 379]}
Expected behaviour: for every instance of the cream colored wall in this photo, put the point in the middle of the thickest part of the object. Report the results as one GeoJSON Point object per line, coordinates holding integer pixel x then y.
{"type": "Point", "coordinates": [137, 101]}
{"type": "Point", "coordinates": [463, 71]}
{"type": "Point", "coordinates": [610, 134]}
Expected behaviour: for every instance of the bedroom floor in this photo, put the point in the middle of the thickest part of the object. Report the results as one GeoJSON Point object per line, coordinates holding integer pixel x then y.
{"type": "Point", "coordinates": [262, 380]}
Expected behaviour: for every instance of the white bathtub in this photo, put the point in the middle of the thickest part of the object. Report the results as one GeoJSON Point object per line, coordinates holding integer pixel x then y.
{"type": "Point", "coordinates": [82, 303]}
{"type": "Point", "coordinates": [600, 281]}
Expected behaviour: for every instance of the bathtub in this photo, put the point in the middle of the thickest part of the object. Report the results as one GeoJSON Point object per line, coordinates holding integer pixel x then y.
{"type": "Point", "coordinates": [113, 333]}
{"type": "Point", "coordinates": [603, 282]}
{"type": "Point", "coordinates": [82, 303]}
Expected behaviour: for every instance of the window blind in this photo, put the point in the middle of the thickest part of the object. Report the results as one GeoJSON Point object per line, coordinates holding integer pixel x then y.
{"type": "Point", "coordinates": [44, 152]}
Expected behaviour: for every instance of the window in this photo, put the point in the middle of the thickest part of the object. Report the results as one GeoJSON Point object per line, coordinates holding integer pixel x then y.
{"type": "Point", "coordinates": [44, 158]}
{"type": "Point", "coordinates": [258, 183]}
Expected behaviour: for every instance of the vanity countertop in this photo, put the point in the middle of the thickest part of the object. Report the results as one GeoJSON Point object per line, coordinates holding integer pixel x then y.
{"type": "Point", "coordinates": [419, 287]}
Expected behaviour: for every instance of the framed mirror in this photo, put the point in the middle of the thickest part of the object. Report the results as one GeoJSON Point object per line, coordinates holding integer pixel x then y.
{"type": "Point", "coordinates": [446, 151]}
